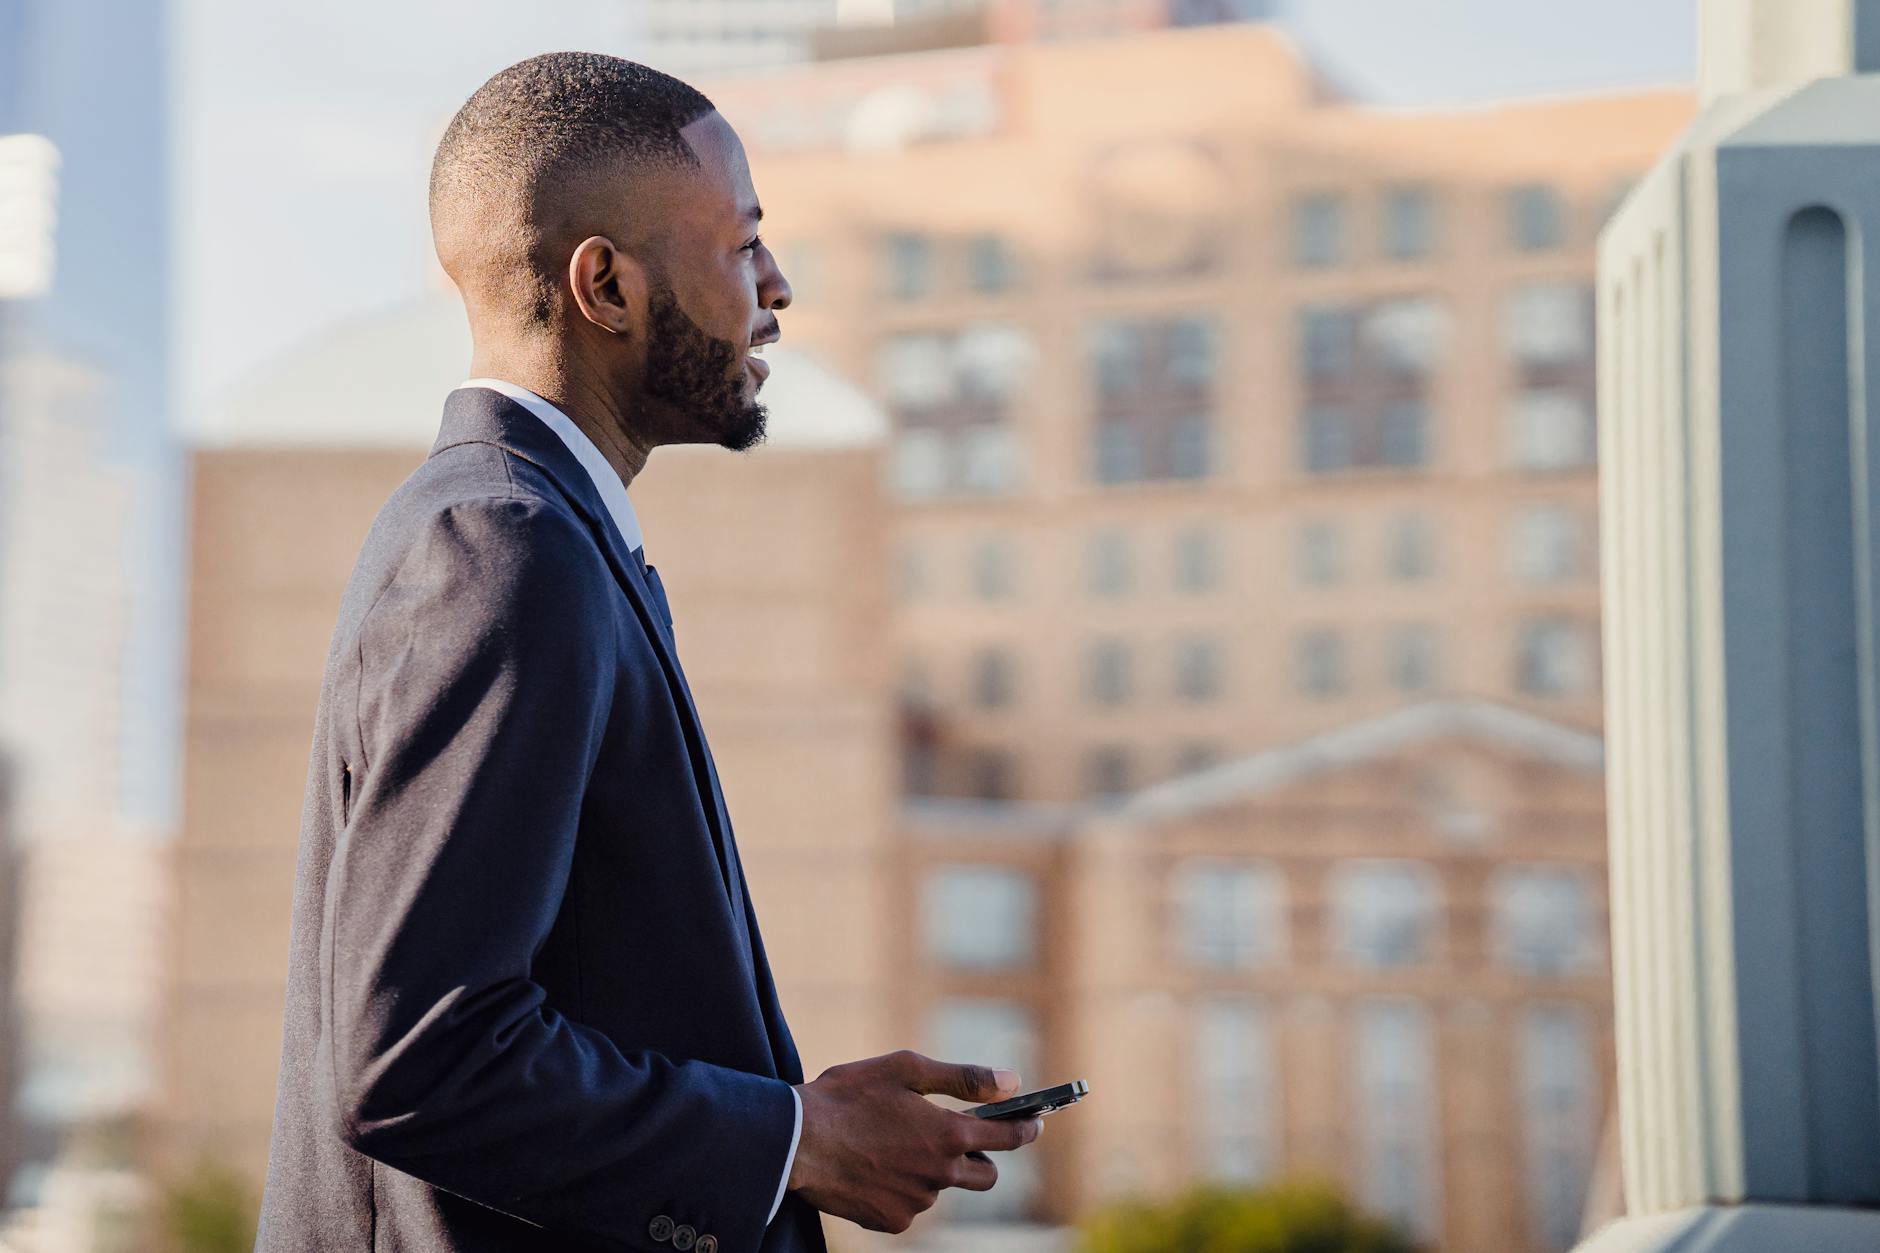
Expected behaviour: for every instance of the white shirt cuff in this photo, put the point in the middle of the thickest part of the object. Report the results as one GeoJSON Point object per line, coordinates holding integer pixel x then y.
{"type": "Point", "coordinates": [790, 1158]}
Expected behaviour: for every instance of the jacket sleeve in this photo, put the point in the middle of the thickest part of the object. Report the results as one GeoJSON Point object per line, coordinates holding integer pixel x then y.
{"type": "Point", "coordinates": [487, 670]}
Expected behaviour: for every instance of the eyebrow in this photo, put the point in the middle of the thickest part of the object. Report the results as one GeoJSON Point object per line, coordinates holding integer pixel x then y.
{"type": "Point", "coordinates": [755, 213]}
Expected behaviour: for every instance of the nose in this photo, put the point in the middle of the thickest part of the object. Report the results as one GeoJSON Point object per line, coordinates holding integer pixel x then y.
{"type": "Point", "coordinates": [775, 292]}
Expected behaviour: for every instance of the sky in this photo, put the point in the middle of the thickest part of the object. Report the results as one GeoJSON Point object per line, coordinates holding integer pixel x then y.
{"type": "Point", "coordinates": [304, 131]}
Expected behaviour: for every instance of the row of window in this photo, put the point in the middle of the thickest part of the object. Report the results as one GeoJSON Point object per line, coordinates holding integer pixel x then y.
{"type": "Point", "coordinates": [1394, 1076]}
{"type": "Point", "coordinates": [1236, 1120]}
{"type": "Point", "coordinates": [1365, 372]}
{"type": "Point", "coordinates": [1230, 914]}
{"type": "Point", "coordinates": [1546, 430]}
{"type": "Point", "coordinates": [1408, 227]}
{"type": "Point", "coordinates": [1545, 324]}
{"type": "Point", "coordinates": [1409, 224]}
{"type": "Point", "coordinates": [1547, 543]}
{"type": "Point", "coordinates": [1554, 656]}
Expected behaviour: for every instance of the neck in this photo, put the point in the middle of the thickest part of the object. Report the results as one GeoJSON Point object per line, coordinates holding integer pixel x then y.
{"type": "Point", "coordinates": [579, 392]}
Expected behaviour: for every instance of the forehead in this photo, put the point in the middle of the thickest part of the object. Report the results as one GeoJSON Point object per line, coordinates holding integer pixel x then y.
{"type": "Point", "coordinates": [720, 189]}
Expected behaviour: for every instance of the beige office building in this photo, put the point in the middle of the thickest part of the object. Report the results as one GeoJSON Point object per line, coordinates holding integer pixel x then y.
{"type": "Point", "coordinates": [1179, 669]}
{"type": "Point", "coordinates": [1227, 411]}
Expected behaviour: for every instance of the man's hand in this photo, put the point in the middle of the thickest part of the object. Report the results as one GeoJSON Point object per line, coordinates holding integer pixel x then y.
{"type": "Point", "coordinates": [875, 1151]}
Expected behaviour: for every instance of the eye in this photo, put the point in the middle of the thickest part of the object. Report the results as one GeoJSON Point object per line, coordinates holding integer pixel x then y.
{"type": "Point", "coordinates": [756, 242]}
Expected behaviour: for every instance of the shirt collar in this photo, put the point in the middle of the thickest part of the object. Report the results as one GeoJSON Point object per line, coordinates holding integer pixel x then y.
{"type": "Point", "coordinates": [606, 480]}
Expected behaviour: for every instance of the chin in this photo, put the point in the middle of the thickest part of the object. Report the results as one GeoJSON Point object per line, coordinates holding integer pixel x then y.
{"type": "Point", "coordinates": [746, 430]}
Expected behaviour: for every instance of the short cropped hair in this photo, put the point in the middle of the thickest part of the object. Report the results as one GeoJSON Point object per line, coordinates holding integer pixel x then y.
{"type": "Point", "coordinates": [538, 125]}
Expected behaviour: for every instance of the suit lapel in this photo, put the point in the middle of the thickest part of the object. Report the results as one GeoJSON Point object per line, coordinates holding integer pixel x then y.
{"type": "Point", "coordinates": [479, 415]}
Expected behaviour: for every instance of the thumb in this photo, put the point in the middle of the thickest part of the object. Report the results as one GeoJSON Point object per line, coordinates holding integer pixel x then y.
{"type": "Point", "coordinates": [965, 1081]}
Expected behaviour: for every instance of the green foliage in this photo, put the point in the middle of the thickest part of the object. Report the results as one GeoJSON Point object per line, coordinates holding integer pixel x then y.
{"type": "Point", "coordinates": [210, 1210]}
{"type": "Point", "coordinates": [1304, 1216]}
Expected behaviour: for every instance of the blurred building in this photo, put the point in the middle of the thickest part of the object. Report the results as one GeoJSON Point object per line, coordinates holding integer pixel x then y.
{"type": "Point", "coordinates": [65, 588]}
{"type": "Point", "coordinates": [12, 1148]}
{"type": "Point", "coordinates": [1226, 412]}
{"type": "Point", "coordinates": [1232, 420]}
{"type": "Point", "coordinates": [1375, 955]}
{"type": "Point", "coordinates": [692, 37]}
{"type": "Point", "coordinates": [89, 984]}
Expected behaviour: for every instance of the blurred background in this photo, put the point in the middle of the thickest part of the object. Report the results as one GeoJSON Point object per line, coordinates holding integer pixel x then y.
{"type": "Point", "coordinates": [1159, 644]}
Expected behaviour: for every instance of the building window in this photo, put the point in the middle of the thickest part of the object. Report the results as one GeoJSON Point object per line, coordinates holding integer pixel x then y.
{"type": "Point", "coordinates": [1235, 1111]}
{"type": "Point", "coordinates": [1414, 658]}
{"type": "Point", "coordinates": [1366, 382]}
{"type": "Point", "coordinates": [1318, 230]}
{"type": "Point", "coordinates": [992, 775]}
{"type": "Point", "coordinates": [1198, 669]}
{"type": "Point", "coordinates": [910, 266]}
{"type": "Point", "coordinates": [1154, 380]}
{"type": "Point", "coordinates": [981, 917]}
{"type": "Point", "coordinates": [1543, 920]}
{"type": "Point", "coordinates": [1537, 218]}
{"type": "Point", "coordinates": [1545, 544]}
{"type": "Point", "coordinates": [950, 395]}
{"type": "Point", "coordinates": [1403, 429]}
{"type": "Point", "coordinates": [1550, 429]}
{"type": "Point", "coordinates": [1196, 756]}
{"type": "Point", "coordinates": [1384, 913]}
{"type": "Point", "coordinates": [1110, 565]}
{"type": "Point", "coordinates": [1560, 1117]}
{"type": "Point", "coordinates": [1410, 549]}
{"type": "Point", "coordinates": [994, 678]}
{"type": "Point", "coordinates": [1549, 324]}
{"type": "Point", "coordinates": [994, 575]}
{"type": "Point", "coordinates": [1229, 914]}
{"type": "Point", "coordinates": [1197, 559]}
{"type": "Point", "coordinates": [1409, 223]}
{"type": "Point", "coordinates": [1107, 774]}
{"type": "Point", "coordinates": [1328, 339]}
{"type": "Point", "coordinates": [1328, 438]}
{"type": "Point", "coordinates": [1191, 454]}
{"type": "Point", "coordinates": [989, 264]}
{"type": "Point", "coordinates": [1109, 677]}
{"type": "Point", "coordinates": [1119, 453]}
{"type": "Point", "coordinates": [989, 1032]}
{"type": "Point", "coordinates": [1321, 662]}
{"type": "Point", "coordinates": [1405, 336]}
{"type": "Point", "coordinates": [1396, 1114]}
{"type": "Point", "coordinates": [1554, 657]}
{"type": "Point", "coordinates": [919, 463]}
{"type": "Point", "coordinates": [991, 361]}
{"type": "Point", "coordinates": [915, 371]}
{"type": "Point", "coordinates": [988, 459]}
{"type": "Point", "coordinates": [1319, 553]}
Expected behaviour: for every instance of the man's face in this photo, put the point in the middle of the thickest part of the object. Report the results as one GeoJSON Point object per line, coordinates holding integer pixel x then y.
{"type": "Point", "coordinates": [713, 299]}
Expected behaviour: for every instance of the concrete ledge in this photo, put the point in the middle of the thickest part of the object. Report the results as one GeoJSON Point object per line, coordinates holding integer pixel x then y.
{"type": "Point", "coordinates": [1741, 1229]}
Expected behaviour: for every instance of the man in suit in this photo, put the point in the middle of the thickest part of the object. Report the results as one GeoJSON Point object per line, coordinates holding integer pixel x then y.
{"type": "Point", "coordinates": [528, 1005]}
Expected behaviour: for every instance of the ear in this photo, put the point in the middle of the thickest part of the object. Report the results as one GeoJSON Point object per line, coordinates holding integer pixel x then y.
{"type": "Point", "coordinates": [609, 286]}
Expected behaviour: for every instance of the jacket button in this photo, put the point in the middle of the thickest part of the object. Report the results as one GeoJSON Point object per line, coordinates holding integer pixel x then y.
{"type": "Point", "coordinates": [707, 1243]}
{"type": "Point", "coordinates": [682, 1237]}
{"type": "Point", "coordinates": [660, 1228]}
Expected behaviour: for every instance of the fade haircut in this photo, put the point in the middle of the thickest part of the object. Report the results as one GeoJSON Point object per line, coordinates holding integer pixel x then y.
{"type": "Point", "coordinates": [526, 146]}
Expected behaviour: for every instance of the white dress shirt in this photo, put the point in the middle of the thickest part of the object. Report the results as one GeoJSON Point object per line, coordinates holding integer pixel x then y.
{"type": "Point", "coordinates": [614, 496]}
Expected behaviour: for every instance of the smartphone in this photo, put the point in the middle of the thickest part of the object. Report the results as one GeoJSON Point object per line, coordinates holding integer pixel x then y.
{"type": "Point", "coordinates": [1034, 1104]}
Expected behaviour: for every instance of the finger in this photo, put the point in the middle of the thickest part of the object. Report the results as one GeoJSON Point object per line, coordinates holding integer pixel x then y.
{"type": "Point", "coordinates": [1001, 1135]}
{"type": "Point", "coordinates": [977, 1173]}
{"type": "Point", "coordinates": [962, 1080]}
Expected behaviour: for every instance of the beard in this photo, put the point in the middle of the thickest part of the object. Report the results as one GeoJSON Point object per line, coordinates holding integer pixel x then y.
{"type": "Point", "coordinates": [699, 376]}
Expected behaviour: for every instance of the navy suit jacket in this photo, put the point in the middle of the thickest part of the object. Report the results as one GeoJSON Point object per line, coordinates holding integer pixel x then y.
{"type": "Point", "coordinates": [528, 1007]}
